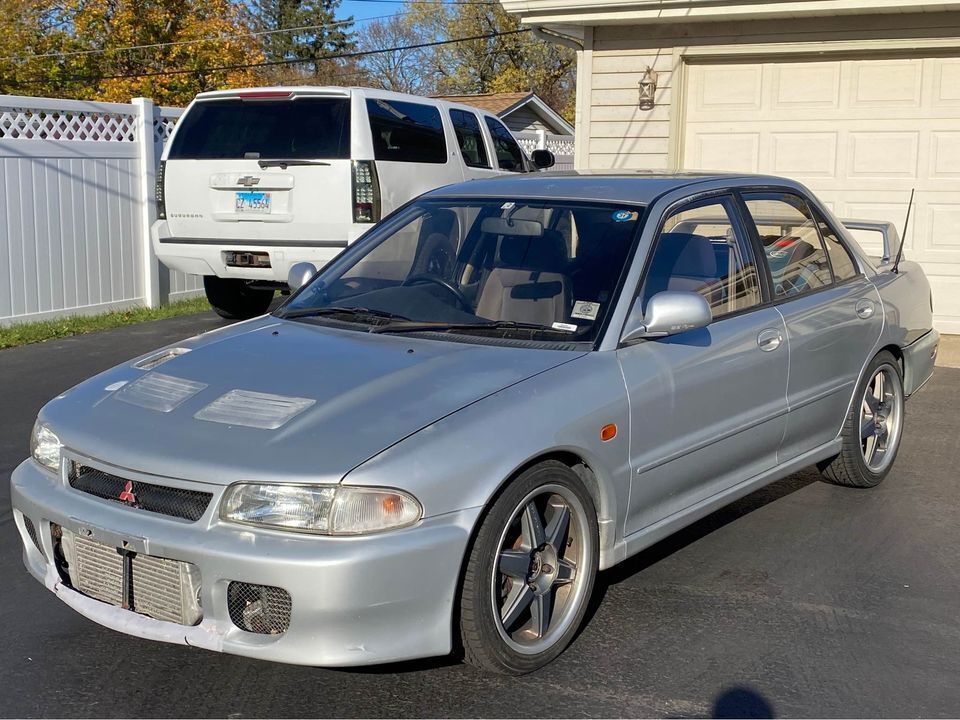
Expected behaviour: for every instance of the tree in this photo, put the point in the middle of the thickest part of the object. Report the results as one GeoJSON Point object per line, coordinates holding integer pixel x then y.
{"type": "Point", "coordinates": [512, 62]}
{"type": "Point", "coordinates": [30, 30]}
{"type": "Point", "coordinates": [168, 50]}
{"type": "Point", "coordinates": [401, 70]}
{"type": "Point", "coordinates": [318, 34]}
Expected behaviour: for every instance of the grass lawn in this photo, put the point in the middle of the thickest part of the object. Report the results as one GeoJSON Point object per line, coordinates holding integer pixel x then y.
{"type": "Point", "coordinates": [26, 333]}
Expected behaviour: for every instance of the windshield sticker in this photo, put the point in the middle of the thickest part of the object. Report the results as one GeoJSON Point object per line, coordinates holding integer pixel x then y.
{"type": "Point", "coordinates": [625, 215]}
{"type": "Point", "coordinates": [585, 310]}
{"type": "Point", "coordinates": [566, 327]}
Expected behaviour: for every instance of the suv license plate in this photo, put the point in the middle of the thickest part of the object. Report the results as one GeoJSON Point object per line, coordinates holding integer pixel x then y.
{"type": "Point", "coordinates": [253, 202]}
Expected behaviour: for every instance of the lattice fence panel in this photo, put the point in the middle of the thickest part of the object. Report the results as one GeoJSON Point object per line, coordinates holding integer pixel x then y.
{"type": "Point", "coordinates": [32, 124]}
{"type": "Point", "coordinates": [163, 128]}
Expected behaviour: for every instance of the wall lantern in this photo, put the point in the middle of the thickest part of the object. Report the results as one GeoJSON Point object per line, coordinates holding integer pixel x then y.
{"type": "Point", "coordinates": [648, 88]}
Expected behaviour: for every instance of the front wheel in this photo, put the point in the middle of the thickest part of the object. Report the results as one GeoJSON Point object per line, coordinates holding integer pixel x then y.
{"type": "Point", "coordinates": [530, 572]}
{"type": "Point", "coordinates": [234, 298]}
{"type": "Point", "coordinates": [873, 428]}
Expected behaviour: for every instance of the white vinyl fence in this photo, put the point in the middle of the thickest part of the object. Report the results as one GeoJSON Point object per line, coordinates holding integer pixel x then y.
{"type": "Point", "coordinates": [560, 145]}
{"type": "Point", "coordinates": [76, 204]}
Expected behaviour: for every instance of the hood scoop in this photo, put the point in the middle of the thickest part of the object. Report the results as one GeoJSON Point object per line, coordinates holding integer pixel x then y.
{"type": "Point", "coordinates": [156, 391]}
{"type": "Point", "coordinates": [254, 409]}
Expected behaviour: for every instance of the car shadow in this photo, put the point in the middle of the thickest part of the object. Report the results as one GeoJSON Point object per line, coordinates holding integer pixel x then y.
{"type": "Point", "coordinates": [692, 533]}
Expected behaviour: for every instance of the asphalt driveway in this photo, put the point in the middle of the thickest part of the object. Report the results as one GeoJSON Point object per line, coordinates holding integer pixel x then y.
{"type": "Point", "coordinates": [802, 599]}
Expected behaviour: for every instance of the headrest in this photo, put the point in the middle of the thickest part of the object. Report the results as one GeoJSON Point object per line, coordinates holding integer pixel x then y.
{"type": "Point", "coordinates": [689, 255]}
{"type": "Point", "coordinates": [547, 253]}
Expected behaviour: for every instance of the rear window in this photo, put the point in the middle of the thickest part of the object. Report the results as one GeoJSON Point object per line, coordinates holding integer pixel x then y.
{"type": "Point", "coordinates": [304, 128]}
{"type": "Point", "coordinates": [406, 132]}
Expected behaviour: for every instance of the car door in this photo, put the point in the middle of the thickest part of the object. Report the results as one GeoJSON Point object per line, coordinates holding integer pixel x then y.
{"type": "Point", "coordinates": [707, 406]}
{"type": "Point", "coordinates": [831, 311]}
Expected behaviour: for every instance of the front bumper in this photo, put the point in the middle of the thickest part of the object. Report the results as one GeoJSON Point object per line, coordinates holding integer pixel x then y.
{"type": "Point", "coordinates": [356, 601]}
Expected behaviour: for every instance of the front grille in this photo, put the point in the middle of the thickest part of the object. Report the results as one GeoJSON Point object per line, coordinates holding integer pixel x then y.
{"type": "Point", "coordinates": [159, 587]}
{"type": "Point", "coordinates": [177, 502]}
{"type": "Point", "coordinates": [32, 532]}
{"type": "Point", "coordinates": [262, 609]}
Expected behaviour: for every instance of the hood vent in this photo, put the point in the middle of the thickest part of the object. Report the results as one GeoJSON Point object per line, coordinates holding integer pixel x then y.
{"type": "Point", "coordinates": [159, 392]}
{"type": "Point", "coordinates": [254, 409]}
{"type": "Point", "coordinates": [151, 361]}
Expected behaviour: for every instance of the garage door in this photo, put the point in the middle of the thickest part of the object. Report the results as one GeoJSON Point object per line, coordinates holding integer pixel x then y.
{"type": "Point", "coordinates": [860, 133]}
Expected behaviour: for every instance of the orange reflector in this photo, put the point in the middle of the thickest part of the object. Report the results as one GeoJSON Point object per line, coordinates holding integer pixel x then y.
{"type": "Point", "coordinates": [608, 432]}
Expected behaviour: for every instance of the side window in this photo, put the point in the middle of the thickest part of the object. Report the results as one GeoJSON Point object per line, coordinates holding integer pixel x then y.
{"type": "Point", "coordinates": [470, 139]}
{"type": "Point", "coordinates": [508, 152]}
{"type": "Point", "coordinates": [700, 250]}
{"type": "Point", "coordinates": [792, 247]}
{"type": "Point", "coordinates": [843, 266]}
{"type": "Point", "coordinates": [406, 132]}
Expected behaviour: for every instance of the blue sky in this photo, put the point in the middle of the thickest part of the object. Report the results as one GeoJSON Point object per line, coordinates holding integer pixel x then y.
{"type": "Point", "coordinates": [361, 10]}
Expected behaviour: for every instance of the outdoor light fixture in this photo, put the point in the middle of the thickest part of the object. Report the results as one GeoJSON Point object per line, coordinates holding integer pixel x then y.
{"type": "Point", "coordinates": [648, 88]}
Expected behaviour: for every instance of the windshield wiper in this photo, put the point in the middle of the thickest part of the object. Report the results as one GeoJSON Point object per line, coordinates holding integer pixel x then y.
{"type": "Point", "coordinates": [357, 312]}
{"type": "Point", "coordinates": [445, 327]}
{"type": "Point", "coordinates": [284, 164]}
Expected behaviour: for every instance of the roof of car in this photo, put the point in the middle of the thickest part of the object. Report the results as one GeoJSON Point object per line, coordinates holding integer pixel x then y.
{"type": "Point", "coordinates": [631, 187]}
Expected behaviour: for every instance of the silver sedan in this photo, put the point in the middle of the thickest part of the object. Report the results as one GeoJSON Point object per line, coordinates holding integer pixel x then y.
{"type": "Point", "coordinates": [442, 436]}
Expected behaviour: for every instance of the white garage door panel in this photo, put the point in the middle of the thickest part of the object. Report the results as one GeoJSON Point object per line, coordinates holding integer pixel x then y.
{"type": "Point", "coordinates": [860, 133]}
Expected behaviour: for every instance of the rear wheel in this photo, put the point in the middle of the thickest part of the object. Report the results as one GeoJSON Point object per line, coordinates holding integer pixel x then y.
{"type": "Point", "coordinates": [530, 573]}
{"type": "Point", "coordinates": [235, 299]}
{"type": "Point", "coordinates": [872, 431]}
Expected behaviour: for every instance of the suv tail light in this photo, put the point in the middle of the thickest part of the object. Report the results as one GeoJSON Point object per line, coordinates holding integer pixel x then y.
{"type": "Point", "coordinates": [366, 192]}
{"type": "Point", "coordinates": [158, 192]}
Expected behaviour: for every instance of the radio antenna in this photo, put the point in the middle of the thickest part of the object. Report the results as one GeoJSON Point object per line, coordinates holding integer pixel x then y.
{"type": "Point", "coordinates": [903, 240]}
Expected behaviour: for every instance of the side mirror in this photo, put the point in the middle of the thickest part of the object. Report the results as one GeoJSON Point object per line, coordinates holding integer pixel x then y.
{"type": "Point", "coordinates": [543, 159]}
{"type": "Point", "coordinates": [300, 274]}
{"type": "Point", "coordinates": [668, 313]}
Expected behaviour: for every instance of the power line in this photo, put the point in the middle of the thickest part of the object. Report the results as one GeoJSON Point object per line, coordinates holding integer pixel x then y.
{"type": "Point", "coordinates": [273, 63]}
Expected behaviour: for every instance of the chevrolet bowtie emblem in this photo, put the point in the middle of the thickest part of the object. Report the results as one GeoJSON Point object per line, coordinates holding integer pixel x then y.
{"type": "Point", "coordinates": [248, 181]}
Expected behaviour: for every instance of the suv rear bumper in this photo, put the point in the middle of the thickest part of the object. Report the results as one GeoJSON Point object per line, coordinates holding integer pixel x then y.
{"type": "Point", "coordinates": [204, 256]}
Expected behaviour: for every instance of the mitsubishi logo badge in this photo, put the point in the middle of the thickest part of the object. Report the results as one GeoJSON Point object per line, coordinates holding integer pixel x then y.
{"type": "Point", "coordinates": [126, 495]}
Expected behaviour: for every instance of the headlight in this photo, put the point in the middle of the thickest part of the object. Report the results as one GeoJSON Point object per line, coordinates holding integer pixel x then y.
{"type": "Point", "coordinates": [45, 446]}
{"type": "Point", "coordinates": [324, 509]}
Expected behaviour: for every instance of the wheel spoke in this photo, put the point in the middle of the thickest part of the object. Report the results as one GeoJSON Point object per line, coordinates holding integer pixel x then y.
{"type": "Point", "coordinates": [556, 531]}
{"type": "Point", "coordinates": [871, 402]}
{"type": "Point", "coordinates": [868, 427]}
{"type": "Point", "coordinates": [541, 610]}
{"type": "Point", "coordinates": [517, 601]}
{"type": "Point", "coordinates": [878, 387]}
{"type": "Point", "coordinates": [566, 572]}
{"type": "Point", "coordinates": [532, 526]}
{"type": "Point", "coordinates": [870, 449]}
{"type": "Point", "coordinates": [515, 564]}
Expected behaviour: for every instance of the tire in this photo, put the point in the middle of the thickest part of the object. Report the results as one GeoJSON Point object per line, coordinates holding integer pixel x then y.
{"type": "Point", "coordinates": [234, 299]}
{"type": "Point", "coordinates": [873, 428]}
{"type": "Point", "coordinates": [507, 569]}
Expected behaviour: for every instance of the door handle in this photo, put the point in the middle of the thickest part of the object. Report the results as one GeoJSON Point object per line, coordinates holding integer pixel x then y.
{"type": "Point", "coordinates": [769, 339]}
{"type": "Point", "coordinates": [865, 308]}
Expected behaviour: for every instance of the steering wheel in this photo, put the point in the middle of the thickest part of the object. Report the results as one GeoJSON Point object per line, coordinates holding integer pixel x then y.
{"type": "Point", "coordinates": [445, 284]}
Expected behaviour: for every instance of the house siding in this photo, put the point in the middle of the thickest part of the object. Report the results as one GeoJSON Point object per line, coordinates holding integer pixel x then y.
{"type": "Point", "coordinates": [617, 134]}
{"type": "Point", "coordinates": [525, 120]}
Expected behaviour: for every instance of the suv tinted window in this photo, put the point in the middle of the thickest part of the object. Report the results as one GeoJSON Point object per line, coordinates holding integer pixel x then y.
{"type": "Point", "coordinates": [791, 243]}
{"type": "Point", "coordinates": [406, 132]}
{"type": "Point", "coordinates": [699, 250]}
{"type": "Point", "coordinates": [305, 128]}
{"type": "Point", "coordinates": [467, 127]}
{"type": "Point", "coordinates": [840, 260]}
{"type": "Point", "coordinates": [508, 152]}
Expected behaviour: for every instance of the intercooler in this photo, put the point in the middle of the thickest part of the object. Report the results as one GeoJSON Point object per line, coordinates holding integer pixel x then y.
{"type": "Point", "coordinates": [158, 587]}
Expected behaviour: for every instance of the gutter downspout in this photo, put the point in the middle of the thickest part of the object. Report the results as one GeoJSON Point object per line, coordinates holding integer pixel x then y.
{"type": "Point", "coordinates": [569, 41]}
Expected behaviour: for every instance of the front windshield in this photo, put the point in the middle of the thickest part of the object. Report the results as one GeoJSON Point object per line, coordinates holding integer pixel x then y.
{"type": "Point", "coordinates": [521, 269]}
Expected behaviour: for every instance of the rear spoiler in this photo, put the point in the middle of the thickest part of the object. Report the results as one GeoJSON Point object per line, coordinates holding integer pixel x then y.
{"type": "Point", "coordinates": [887, 230]}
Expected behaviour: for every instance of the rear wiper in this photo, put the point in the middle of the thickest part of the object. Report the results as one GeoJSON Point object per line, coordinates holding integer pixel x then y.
{"type": "Point", "coordinates": [445, 327]}
{"type": "Point", "coordinates": [284, 164]}
{"type": "Point", "coordinates": [349, 311]}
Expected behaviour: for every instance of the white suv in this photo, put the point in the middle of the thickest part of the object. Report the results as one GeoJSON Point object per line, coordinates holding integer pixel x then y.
{"type": "Point", "coordinates": [256, 180]}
